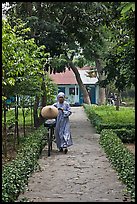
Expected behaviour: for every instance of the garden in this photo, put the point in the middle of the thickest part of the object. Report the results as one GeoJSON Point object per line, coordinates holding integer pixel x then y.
{"type": "Point", "coordinates": [117, 132]}
{"type": "Point", "coordinates": [40, 38]}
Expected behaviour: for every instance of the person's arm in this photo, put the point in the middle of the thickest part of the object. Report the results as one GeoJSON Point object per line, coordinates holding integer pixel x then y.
{"type": "Point", "coordinates": [67, 112]}
{"type": "Point", "coordinates": [55, 104]}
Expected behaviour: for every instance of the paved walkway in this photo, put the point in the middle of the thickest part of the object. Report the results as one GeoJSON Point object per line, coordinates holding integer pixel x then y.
{"type": "Point", "coordinates": [84, 174]}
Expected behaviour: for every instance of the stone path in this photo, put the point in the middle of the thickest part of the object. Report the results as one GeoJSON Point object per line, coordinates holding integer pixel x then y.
{"type": "Point", "coordinates": [84, 174]}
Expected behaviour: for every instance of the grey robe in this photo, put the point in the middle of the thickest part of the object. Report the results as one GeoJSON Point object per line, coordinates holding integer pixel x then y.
{"type": "Point", "coordinates": [62, 129]}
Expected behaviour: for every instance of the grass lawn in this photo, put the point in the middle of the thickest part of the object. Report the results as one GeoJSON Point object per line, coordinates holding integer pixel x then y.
{"type": "Point", "coordinates": [109, 114]}
{"type": "Point", "coordinates": [10, 116]}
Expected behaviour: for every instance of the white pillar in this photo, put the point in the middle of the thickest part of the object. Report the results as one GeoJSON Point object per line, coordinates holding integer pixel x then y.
{"type": "Point", "coordinates": [75, 93]}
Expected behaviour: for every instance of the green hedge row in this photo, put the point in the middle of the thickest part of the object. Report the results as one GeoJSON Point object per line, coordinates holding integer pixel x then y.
{"type": "Point", "coordinates": [94, 118]}
{"type": "Point", "coordinates": [126, 131]}
{"type": "Point", "coordinates": [126, 135]}
{"type": "Point", "coordinates": [100, 126]}
{"type": "Point", "coordinates": [112, 137]}
{"type": "Point", "coordinates": [121, 158]}
{"type": "Point", "coordinates": [16, 173]}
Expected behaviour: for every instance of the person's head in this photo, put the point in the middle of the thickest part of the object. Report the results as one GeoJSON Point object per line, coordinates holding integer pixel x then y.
{"type": "Point", "coordinates": [61, 97]}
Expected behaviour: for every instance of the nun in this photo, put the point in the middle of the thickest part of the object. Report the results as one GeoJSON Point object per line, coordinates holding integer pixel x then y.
{"type": "Point", "coordinates": [62, 129]}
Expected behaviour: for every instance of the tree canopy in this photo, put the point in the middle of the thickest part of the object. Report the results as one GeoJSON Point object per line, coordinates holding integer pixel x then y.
{"type": "Point", "coordinates": [22, 62]}
{"type": "Point", "coordinates": [120, 60]}
{"type": "Point", "coordinates": [89, 30]}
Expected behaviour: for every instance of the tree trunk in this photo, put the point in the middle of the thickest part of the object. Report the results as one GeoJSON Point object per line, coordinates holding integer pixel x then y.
{"type": "Point", "coordinates": [35, 112]}
{"type": "Point", "coordinates": [102, 96]}
{"type": "Point", "coordinates": [23, 113]}
{"type": "Point", "coordinates": [117, 105]}
{"type": "Point", "coordinates": [102, 92]}
{"type": "Point", "coordinates": [31, 112]}
{"type": "Point", "coordinates": [28, 6]}
{"type": "Point", "coordinates": [15, 139]}
{"type": "Point", "coordinates": [16, 119]}
{"type": "Point", "coordinates": [4, 141]}
{"type": "Point", "coordinates": [117, 102]}
{"type": "Point", "coordinates": [43, 88]}
{"type": "Point", "coordinates": [40, 119]}
{"type": "Point", "coordinates": [80, 83]}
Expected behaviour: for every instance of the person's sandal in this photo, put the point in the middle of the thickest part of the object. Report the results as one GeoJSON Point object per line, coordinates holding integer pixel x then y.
{"type": "Point", "coordinates": [61, 149]}
{"type": "Point", "coordinates": [66, 150]}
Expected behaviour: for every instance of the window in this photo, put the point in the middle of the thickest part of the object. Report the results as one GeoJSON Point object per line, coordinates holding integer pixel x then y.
{"type": "Point", "coordinates": [72, 91]}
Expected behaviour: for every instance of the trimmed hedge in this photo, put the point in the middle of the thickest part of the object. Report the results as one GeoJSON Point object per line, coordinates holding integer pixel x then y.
{"type": "Point", "coordinates": [120, 157]}
{"type": "Point", "coordinates": [101, 126]}
{"type": "Point", "coordinates": [126, 132]}
{"type": "Point", "coordinates": [127, 136]}
{"type": "Point", "coordinates": [16, 173]}
{"type": "Point", "coordinates": [94, 118]}
{"type": "Point", "coordinates": [112, 137]}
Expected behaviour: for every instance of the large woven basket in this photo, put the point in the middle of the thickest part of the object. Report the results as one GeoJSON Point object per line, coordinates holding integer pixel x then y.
{"type": "Point", "coordinates": [49, 112]}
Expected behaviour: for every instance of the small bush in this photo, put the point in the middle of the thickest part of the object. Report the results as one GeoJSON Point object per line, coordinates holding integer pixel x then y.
{"type": "Point", "coordinates": [121, 158]}
{"type": "Point", "coordinates": [106, 117]}
{"type": "Point", "coordinates": [16, 173]}
{"type": "Point", "coordinates": [112, 125]}
{"type": "Point", "coordinates": [94, 118]}
{"type": "Point", "coordinates": [126, 135]}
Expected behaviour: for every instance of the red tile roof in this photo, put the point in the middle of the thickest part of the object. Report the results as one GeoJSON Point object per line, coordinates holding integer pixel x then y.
{"type": "Point", "coordinates": [67, 77]}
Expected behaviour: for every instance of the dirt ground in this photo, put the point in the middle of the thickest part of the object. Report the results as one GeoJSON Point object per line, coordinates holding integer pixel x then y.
{"type": "Point", "coordinates": [84, 174]}
{"type": "Point", "coordinates": [131, 147]}
{"type": "Point", "coordinates": [11, 151]}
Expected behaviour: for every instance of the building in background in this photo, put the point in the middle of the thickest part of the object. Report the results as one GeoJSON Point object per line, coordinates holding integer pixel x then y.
{"type": "Point", "coordinates": [67, 83]}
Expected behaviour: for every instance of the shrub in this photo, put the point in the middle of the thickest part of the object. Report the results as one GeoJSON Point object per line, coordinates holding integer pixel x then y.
{"type": "Point", "coordinates": [106, 117]}
{"type": "Point", "coordinates": [16, 173]}
{"type": "Point", "coordinates": [121, 158]}
{"type": "Point", "coordinates": [95, 119]}
{"type": "Point", "coordinates": [112, 125]}
{"type": "Point", "coordinates": [126, 135]}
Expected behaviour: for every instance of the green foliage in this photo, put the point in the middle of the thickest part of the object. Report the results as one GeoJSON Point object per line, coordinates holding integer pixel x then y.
{"type": "Point", "coordinates": [100, 30]}
{"type": "Point", "coordinates": [94, 118]}
{"type": "Point", "coordinates": [106, 117]}
{"type": "Point", "coordinates": [126, 7]}
{"type": "Point", "coordinates": [11, 117]}
{"type": "Point", "coordinates": [20, 57]}
{"type": "Point", "coordinates": [113, 125]}
{"type": "Point", "coordinates": [112, 140]}
{"type": "Point", "coordinates": [70, 27]}
{"type": "Point", "coordinates": [109, 114]}
{"type": "Point", "coordinates": [125, 134]}
{"type": "Point", "coordinates": [16, 173]}
{"type": "Point", "coordinates": [23, 66]}
{"type": "Point", "coordinates": [120, 60]}
{"type": "Point", "coordinates": [57, 64]}
{"type": "Point", "coordinates": [121, 158]}
{"type": "Point", "coordinates": [51, 91]}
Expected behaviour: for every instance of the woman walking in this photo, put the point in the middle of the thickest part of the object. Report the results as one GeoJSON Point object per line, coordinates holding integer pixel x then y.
{"type": "Point", "coordinates": [62, 129]}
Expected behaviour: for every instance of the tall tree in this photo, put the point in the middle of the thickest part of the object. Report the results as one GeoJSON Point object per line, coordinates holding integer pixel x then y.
{"type": "Point", "coordinates": [69, 28]}
{"type": "Point", "coordinates": [22, 66]}
{"type": "Point", "coordinates": [62, 27]}
{"type": "Point", "coordinates": [120, 60]}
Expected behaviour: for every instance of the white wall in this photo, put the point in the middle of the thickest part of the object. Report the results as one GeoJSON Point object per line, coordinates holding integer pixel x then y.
{"type": "Point", "coordinates": [72, 99]}
{"type": "Point", "coordinates": [97, 94]}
